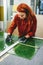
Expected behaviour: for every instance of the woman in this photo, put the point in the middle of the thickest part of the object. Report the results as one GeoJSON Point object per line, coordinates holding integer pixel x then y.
{"type": "Point", "coordinates": [25, 20]}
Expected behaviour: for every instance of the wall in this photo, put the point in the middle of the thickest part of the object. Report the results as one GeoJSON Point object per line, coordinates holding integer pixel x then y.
{"type": "Point", "coordinates": [1, 10]}
{"type": "Point", "coordinates": [39, 31]}
{"type": "Point", "coordinates": [1, 15]}
{"type": "Point", "coordinates": [16, 2]}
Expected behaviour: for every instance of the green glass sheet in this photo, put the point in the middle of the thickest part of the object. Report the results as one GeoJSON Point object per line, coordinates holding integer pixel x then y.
{"type": "Point", "coordinates": [28, 49]}
{"type": "Point", "coordinates": [3, 44]}
{"type": "Point", "coordinates": [1, 33]}
{"type": "Point", "coordinates": [25, 50]}
{"type": "Point", "coordinates": [1, 40]}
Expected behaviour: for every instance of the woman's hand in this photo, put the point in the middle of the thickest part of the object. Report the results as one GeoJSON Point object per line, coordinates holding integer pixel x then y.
{"type": "Point", "coordinates": [27, 36]}
{"type": "Point", "coordinates": [8, 38]}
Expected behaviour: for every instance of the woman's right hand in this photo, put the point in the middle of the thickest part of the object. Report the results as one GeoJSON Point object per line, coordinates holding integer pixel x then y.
{"type": "Point", "coordinates": [8, 38]}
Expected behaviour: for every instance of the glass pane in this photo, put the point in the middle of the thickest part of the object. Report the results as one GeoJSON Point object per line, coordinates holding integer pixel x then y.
{"type": "Point", "coordinates": [27, 49]}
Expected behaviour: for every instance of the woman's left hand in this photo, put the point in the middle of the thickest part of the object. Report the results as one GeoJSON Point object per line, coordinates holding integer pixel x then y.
{"type": "Point", "coordinates": [27, 36]}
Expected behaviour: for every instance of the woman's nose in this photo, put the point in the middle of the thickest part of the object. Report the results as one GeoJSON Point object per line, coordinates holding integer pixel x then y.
{"type": "Point", "coordinates": [22, 15]}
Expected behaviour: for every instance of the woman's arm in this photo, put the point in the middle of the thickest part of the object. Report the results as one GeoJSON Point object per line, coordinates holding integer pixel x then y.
{"type": "Point", "coordinates": [12, 26]}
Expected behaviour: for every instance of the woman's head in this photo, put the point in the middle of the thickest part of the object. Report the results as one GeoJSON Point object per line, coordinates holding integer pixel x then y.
{"type": "Point", "coordinates": [22, 15]}
{"type": "Point", "coordinates": [24, 8]}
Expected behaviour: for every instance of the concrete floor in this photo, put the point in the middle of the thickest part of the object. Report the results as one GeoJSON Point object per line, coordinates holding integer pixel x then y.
{"type": "Point", "coordinates": [15, 60]}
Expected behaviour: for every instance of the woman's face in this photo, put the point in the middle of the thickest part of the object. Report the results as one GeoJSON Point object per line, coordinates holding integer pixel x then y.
{"type": "Point", "coordinates": [22, 15]}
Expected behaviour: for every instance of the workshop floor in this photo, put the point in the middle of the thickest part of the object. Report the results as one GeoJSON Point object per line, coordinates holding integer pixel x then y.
{"type": "Point", "coordinates": [15, 60]}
